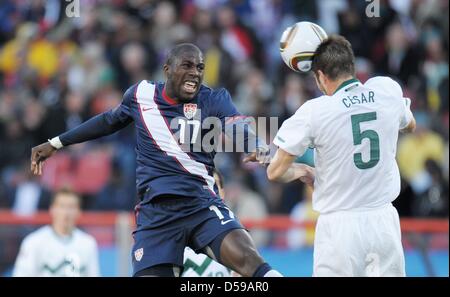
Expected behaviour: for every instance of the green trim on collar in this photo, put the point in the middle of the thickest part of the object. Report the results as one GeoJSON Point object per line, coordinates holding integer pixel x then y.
{"type": "Point", "coordinates": [346, 83]}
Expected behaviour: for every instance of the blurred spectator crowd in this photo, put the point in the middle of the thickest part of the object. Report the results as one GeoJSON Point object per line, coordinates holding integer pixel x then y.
{"type": "Point", "coordinates": [57, 71]}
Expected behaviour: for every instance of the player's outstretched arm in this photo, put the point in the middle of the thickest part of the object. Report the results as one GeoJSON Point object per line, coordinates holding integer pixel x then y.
{"type": "Point", "coordinates": [100, 125]}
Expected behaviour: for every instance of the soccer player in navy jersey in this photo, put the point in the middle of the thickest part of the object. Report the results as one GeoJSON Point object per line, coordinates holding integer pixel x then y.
{"type": "Point", "coordinates": [179, 204]}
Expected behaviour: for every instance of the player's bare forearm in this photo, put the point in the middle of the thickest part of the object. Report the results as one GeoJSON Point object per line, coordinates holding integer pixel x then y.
{"type": "Point", "coordinates": [283, 169]}
{"type": "Point", "coordinates": [297, 171]}
{"type": "Point", "coordinates": [286, 177]}
{"type": "Point", "coordinates": [279, 165]}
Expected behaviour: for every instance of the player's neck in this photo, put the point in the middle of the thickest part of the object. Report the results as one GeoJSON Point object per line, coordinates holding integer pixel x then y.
{"type": "Point", "coordinates": [62, 231]}
{"type": "Point", "coordinates": [169, 96]}
{"type": "Point", "coordinates": [335, 85]}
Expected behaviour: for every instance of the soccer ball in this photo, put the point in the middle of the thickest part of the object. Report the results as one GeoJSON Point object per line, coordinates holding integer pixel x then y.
{"type": "Point", "coordinates": [298, 44]}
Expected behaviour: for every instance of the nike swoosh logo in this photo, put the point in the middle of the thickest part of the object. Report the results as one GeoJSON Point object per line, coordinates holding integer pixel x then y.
{"type": "Point", "coordinates": [147, 108]}
{"type": "Point", "coordinates": [225, 222]}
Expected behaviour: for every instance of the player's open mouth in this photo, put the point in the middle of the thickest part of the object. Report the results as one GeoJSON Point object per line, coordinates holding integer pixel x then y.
{"type": "Point", "coordinates": [190, 86]}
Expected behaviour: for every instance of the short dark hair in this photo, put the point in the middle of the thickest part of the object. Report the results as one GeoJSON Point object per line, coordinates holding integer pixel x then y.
{"type": "Point", "coordinates": [178, 49]}
{"type": "Point", "coordinates": [65, 191]}
{"type": "Point", "coordinates": [334, 57]}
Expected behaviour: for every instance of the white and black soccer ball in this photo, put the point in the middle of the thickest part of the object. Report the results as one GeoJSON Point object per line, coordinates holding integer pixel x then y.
{"type": "Point", "coordinates": [298, 44]}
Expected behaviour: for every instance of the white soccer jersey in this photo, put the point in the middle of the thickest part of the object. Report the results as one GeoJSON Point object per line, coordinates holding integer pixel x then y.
{"type": "Point", "coordinates": [354, 133]}
{"type": "Point", "coordinates": [44, 253]}
{"type": "Point", "coordinates": [196, 265]}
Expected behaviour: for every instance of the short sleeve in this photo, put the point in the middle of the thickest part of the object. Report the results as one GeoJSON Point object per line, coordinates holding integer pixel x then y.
{"type": "Point", "coordinates": [394, 90]}
{"type": "Point", "coordinates": [387, 84]}
{"type": "Point", "coordinates": [295, 134]}
{"type": "Point", "coordinates": [406, 115]}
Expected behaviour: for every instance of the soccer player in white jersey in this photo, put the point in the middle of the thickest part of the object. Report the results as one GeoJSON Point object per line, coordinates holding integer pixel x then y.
{"type": "Point", "coordinates": [354, 130]}
{"type": "Point", "coordinates": [196, 265]}
{"type": "Point", "coordinates": [59, 249]}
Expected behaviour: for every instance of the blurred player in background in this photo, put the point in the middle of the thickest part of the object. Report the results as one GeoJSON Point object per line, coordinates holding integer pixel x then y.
{"type": "Point", "coordinates": [354, 130]}
{"type": "Point", "coordinates": [179, 202]}
{"type": "Point", "coordinates": [199, 264]}
{"type": "Point", "coordinates": [59, 249]}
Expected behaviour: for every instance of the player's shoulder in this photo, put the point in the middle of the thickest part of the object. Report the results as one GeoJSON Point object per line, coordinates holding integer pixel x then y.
{"type": "Point", "coordinates": [142, 89]}
{"type": "Point", "coordinates": [130, 93]}
{"type": "Point", "coordinates": [316, 101]}
{"type": "Point", "coordinates": [81, 235]}
{"type": "Point", "coordinates": [142, 83]}
{"type": "Point", "coordinates": [40, 234]}
{"type": "Point", "coordinates": [312, 104]}
{"type": "Point", "coordinates": [215, 98]}
{"type": "Point", "coordinates": [209, 93]}
{"type": "Point", "coordinates": [384, 84]}
{"type": "Point", "coordinates": [146, 82]}
{"type": "Point", "coordinates": [380, 80]}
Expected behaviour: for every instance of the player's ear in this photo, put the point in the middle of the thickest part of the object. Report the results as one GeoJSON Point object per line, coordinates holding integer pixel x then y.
{"type": "Point", "coordinates": [315, 74]}
{"type": "Point", "coordinates": [166, 69]}
{"type": "Point", "coordinates": [320, 76]}
{"type": "Point", "coordinates": [320, 80]}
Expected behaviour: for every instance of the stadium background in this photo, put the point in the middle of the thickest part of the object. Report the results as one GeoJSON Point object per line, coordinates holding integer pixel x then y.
{"type": "Point", "coordinates": [56, 72]}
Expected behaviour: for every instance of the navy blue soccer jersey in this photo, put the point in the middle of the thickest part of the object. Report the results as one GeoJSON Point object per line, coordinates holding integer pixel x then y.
{"type": "Point", "coordinates": [166, 131]}
{"type": "Point", "coordinates": [180, 205]}
{"type": "Point", "coordinates": [163, 167]}
{"type": "Point", "coordinates": [170, 162]}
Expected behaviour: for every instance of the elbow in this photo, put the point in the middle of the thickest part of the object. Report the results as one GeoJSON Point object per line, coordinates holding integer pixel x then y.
{"type": "Point", "coordinates": [411, 127]}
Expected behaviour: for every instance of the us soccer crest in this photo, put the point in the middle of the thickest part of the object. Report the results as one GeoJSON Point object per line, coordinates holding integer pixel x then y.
{"type": "Point", "coordinates": [138, 254]}
{"type": "Point", "coordinates": [189, 110]}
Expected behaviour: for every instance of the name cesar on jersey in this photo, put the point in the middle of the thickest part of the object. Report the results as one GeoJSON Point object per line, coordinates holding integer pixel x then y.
{"type": "Point", "coordinates": [364, 98]}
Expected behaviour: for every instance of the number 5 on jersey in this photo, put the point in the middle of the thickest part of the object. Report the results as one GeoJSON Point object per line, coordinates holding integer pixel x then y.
{"type": "Point", "coordinates": [358, 137]}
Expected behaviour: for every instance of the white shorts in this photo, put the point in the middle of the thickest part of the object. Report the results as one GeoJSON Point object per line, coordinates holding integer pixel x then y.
{"type": "Point", "coordinates": [359, 243]}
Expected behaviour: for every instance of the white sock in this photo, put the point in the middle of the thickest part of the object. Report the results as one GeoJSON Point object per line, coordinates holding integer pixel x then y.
{"type": "Point", "coordinates": [273, 273]}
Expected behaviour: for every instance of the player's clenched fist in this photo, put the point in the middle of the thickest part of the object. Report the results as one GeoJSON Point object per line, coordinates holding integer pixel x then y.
{"type": "Point", "coordinates": [39, 154]}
